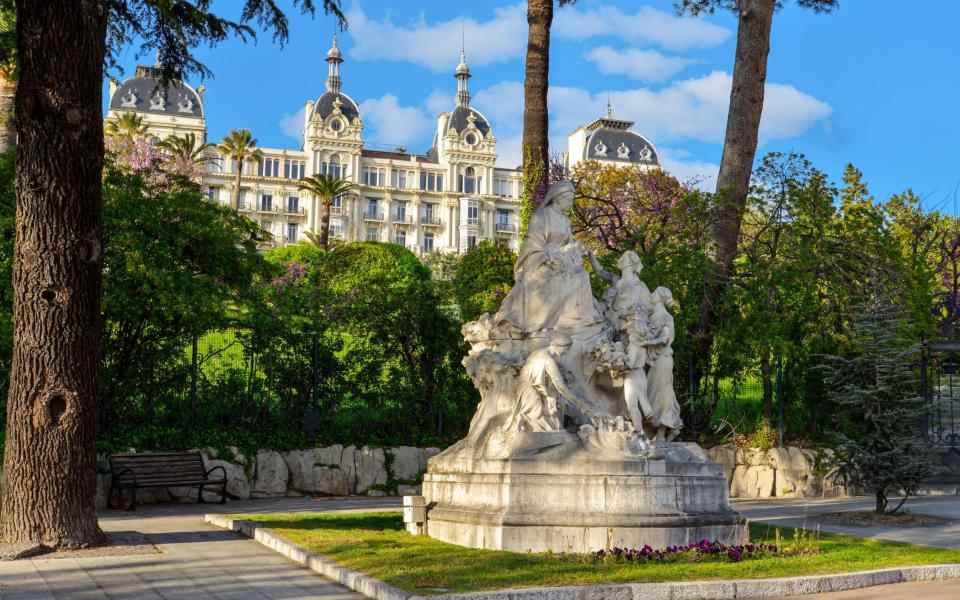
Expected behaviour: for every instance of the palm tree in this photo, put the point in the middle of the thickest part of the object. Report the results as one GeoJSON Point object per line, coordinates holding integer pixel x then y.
{"type": "Point", "coordinates": [240, 146]}
{"type": "Point", "coordinates": [325, 188]}
{"type": "Point", "coordinates": [185, 154]}
{"type": "Point", "coordinates": [536, 157]}
{"type": "Point", "coordinates": [127, 125]}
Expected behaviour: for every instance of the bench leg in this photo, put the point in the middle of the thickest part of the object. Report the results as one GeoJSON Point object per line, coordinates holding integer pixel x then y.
{"type": "Point", "coordinates": [200, 499]}
{"type": "Point", "coordinates": [133, 498]}
{"type": "Point", "coordinates": [223, 493]}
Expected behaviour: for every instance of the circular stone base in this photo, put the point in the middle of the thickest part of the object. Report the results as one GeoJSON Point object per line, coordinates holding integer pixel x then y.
{"type": "Point", "coordinates": [581, 504]}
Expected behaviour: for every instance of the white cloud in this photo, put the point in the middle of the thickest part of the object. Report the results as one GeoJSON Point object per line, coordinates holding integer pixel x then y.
{"type": "Point", "coordinates": [683, 166]}
{"type": "Point", "coordinates": [439, 101]}
{"type": "Point", "coordinates": [292, 124]}
{"type": "Point", "coordinates": [645, 65]}
{"type": "Point", "coordinates": [688, 110]}
{"type": "Point", "coordinates": [648, 26]}
{"type": "Point", "coordinates": [436, 45]}
{"type": "Point", "coordinates": [392, 124]}
{"type": "Point", "coordinates": [502, 37]}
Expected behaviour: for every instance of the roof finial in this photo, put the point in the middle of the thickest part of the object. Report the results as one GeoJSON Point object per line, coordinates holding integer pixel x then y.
{"type": "Point", "coordinates": [609, 107]}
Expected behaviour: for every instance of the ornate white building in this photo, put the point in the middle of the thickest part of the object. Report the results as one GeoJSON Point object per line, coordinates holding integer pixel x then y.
{"type": "Point", "coordinates": [447, 199]}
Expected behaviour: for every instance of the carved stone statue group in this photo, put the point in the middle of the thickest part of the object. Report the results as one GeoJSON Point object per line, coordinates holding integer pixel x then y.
{"type": "Point", "coordinates": [554, 359]}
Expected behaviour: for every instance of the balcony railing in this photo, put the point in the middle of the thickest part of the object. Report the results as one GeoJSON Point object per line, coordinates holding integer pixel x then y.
{"type": "Point", "coordinates": [370, 215]}
{"type": "Point", "coordinates": [336, 211]}
{"type": "Point", "coordinates": [473, 221]}
{"type": "Point", "coordinates": [431, 221]}
{"type": "Point", "coordinates": [402, 218]}
{"type": "Point", "coordinates": [295, 210]}
{"type": "Point", "coordinates": [506, 228]}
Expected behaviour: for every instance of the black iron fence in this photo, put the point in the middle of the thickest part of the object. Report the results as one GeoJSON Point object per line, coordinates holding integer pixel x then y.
{"type": "Point", "coordinates": [940, 381]}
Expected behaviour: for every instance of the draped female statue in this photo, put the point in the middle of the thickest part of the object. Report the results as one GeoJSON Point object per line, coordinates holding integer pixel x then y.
{"type": "Point", "coordinates": [552, 288]}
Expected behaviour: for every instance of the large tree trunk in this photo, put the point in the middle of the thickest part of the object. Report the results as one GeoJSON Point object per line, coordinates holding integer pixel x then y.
{"type": "Point", "coordinates": [736, 166]}
{"type": "Point", "coordinates": [325, 225]}
{"type": "Point", "coordinates": [8, 130]}
{"type": "Point", "coordinates": [536, 157]}
{"type": "Point", "coordinates": [50, 460]}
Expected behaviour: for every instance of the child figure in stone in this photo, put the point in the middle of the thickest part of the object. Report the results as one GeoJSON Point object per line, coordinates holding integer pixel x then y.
{"type": "Point", "coordinates": [628, 296]}
{"type": "Point", "coordinates": [665, 417]}
{"type": "Point", "coordinates": [628, 305]}
{"type": "Point", "coordinates": [541, 389]}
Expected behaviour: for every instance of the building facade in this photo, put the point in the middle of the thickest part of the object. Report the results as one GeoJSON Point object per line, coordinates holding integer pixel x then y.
{"type": "Point", "coordinates": [447, 199]}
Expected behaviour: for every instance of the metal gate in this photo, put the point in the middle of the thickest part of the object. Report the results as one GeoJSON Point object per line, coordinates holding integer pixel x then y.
{"type": "Point", "coordinates": [940, 380]}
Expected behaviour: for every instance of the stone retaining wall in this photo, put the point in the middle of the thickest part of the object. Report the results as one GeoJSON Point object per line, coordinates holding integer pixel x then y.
{"type": "Point", "coordinates": [335, 470]}
{"type": "Point", "coordinates": [348, 470]}
{"type": "Point", "coordinates": [778, 472]}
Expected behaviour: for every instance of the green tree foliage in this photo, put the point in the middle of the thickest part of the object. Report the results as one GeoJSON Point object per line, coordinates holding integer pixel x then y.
{"type": "Point", "coordinates": [175, 266]}
{"type": "Point", "coordinates": [397, 374]}
{"type": "Point", "coordinates": [881, 446]}
{"type": "Point", "coordinates": [482, 278]}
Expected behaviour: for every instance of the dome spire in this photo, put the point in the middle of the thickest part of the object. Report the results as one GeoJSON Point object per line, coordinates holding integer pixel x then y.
{"type": "Point", "coordinates": [334, 58]}
{"type": "Point", "coordinates": [463, 75]}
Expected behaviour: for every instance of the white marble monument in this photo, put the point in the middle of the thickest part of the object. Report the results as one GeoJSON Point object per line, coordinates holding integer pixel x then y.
{"type": "Point", "coordinates": [571, 448]}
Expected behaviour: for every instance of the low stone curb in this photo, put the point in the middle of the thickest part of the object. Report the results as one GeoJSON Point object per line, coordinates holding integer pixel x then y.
{"type": "Point", "coordinates": [697, 590]}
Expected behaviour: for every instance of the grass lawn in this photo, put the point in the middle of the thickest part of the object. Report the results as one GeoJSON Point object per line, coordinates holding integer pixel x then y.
{"type": "Point", "coordinates": [376, 544]}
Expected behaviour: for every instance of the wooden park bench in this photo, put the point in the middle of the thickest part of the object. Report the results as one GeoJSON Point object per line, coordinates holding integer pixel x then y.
{"type": "Point", "coordinates": [162, 470]}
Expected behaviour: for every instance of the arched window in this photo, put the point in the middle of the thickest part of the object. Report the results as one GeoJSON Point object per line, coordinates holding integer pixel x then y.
{"type": "Point", "coordinates": [469, 185]}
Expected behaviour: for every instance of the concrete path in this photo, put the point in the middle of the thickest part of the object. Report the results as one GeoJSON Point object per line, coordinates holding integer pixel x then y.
{"type": "Point", "coordinates": [197, 561]}
{"type": "Point", "coordinates": [804, 513]}
{"type": "Point", "coordinates": [200, 562]}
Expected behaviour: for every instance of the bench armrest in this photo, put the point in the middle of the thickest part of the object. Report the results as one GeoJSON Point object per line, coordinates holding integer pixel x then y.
{"type": "Point", "coordinates": [212, 469]}
{"type": "Point", "coordinates": [115, 476]}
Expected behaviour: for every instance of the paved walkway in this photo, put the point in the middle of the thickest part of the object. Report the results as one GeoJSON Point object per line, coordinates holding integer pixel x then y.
{"type": "Point", "coordinates": [197, 561]}
{"type": "Point", "coordinates": [200, 562]}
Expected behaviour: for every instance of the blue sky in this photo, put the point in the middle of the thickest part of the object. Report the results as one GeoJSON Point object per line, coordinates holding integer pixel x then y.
{"type": "Point", "coordinates": [873, 84]}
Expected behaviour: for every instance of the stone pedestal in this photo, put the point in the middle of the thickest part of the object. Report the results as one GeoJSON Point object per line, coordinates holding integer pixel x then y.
{"type": "Point", "coordinates": [556, 497]}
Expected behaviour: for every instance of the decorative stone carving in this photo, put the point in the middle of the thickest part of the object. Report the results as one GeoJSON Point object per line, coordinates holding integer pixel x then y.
{"type": "Point", "coordinates": [158, 101]}
{"type": "Point", "coordinates": [129, 100]}
{"type": "Point", "coordinates": [646, 154]}
{"type": "Point", "coordinates": [600, 149]}
{"type": "Point", "coordinates": [558, 456]}
{"type": "Point", "coordinates": [185, 105]}
{"type": "Point", "coordinates": [623, 151]}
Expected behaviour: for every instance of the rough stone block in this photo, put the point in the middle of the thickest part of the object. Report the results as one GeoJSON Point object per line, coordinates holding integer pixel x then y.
{"type": "Point", "coordinates": [331, 481]}
{"type": "Point", "coordinates": [370, 468]}
{"type": "Point", "coordinates": [238, 486]}
{"type": "Point", "coordinates": [414, 500]}
{"type": "Point", "coordinates": [271, 475]}
{"type": "Point", "coordinates": [726, 457]}
{"type": "Point", "coordinates": [408, 462]}
{"type": "Point", "coordinates": [752, 482]}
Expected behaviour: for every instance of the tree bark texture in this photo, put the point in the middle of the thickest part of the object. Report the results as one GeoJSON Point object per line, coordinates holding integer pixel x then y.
{"type": "Point", "coordinates": [50, 460]}
{"type": "Point", "coordinates": [536, 143]}
{"type": "Point", "coordinates": [739, 151]}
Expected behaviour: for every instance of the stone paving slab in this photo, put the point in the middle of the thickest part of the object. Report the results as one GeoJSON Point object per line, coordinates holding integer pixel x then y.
{"type": "Point", "coordinates": [196, 562]}
{"type": "Point", "coordinates": [200, 562]}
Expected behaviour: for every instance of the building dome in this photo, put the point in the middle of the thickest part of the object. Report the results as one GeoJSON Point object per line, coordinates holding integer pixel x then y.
{"type": "Point", "coordinates": [334, 52]}
{"type": "Point", "coordinates": [460, 119]}
{"type": "Point", "coordinates": [143, 93]}
{"type": "Point", "coordinates": [619, 145]}
{"type": "Point", "coordinates": [325, 104]}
